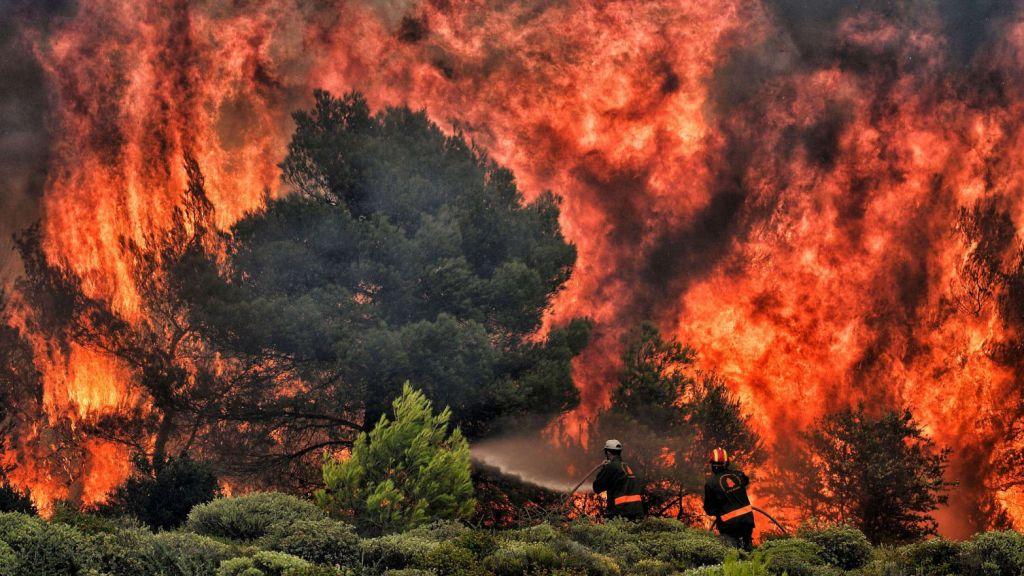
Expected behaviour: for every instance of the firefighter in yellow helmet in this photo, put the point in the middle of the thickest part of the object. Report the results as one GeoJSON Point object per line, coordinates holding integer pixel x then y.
{"type": "Point", "coordinates": [617, 479]}
{"type": "Point", "coordinates": [725, 498]}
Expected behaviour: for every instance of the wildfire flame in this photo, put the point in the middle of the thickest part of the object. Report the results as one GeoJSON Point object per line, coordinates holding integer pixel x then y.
{"type": "Point", "coordinates": [786, 204]}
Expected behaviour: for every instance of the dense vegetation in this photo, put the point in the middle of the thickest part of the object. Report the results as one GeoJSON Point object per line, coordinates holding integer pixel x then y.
{"type": "Point", "coordinates": [408, 268]}
{"type": "Point", "coordinates": [269, 534]}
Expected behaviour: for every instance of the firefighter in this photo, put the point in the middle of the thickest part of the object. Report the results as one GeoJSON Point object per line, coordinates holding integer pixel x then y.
{"type": "Point", "coordinates": [617, 479]}
{"type": "Point", "coordinates": [725, 498]}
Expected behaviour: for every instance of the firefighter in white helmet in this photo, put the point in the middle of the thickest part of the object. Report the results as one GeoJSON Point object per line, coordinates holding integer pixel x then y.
{"type": "Point", "coordinates": [617, 479]}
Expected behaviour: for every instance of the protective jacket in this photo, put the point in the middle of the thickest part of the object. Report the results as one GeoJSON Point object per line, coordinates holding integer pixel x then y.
{"type": "Point", "coordinates": [725, 497]}
{"type": "Point", "coordinates": [624, 495]}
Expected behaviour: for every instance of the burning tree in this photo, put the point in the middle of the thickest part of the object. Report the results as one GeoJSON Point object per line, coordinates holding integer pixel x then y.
{"type": "Point", "coordinates": [178, 380]}
{"type": "Point", "coordinates": [881, 474]}
{"type": "Point", "coordinates": [405, 254]}
{"type": "Point", "coordinates": [673, 416]}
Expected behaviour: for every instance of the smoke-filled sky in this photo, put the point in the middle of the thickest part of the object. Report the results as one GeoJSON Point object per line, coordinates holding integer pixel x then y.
{"type": "Point", "coordinates": [777, 182]}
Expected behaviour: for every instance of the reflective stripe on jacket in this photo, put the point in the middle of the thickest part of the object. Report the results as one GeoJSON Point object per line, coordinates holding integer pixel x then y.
{"type": "Point", "coordinates": [725, 497]}
{"type": "Point", "coordinates": [624, 497]}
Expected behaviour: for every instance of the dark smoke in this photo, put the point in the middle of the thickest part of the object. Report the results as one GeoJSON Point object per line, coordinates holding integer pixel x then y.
{"type": "Point", "coordinates": [24, 137]}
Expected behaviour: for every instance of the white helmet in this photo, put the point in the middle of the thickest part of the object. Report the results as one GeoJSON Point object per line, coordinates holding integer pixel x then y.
{"type": "Point", "coordinates": [613, 445]}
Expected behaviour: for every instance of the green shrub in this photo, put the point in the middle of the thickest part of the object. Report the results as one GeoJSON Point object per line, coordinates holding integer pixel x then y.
{"type": "Point", "coordinates": [792, 556]}
{"type": "Point", "coordinates": [395, 551]}
{"type": "Point", "coordinates": [841, 546]}
{"type": "Point", "coordinates": [53, 550]}
{"type": "Point", "coordinates": [652, 524]}
{"type": "Point", "coordinates": [188, 554]}
{"type": "Point", "coordinates": [518, 558]}
{"type": "Point", "coordinates": [243, 566]}
{"type": "Point", "coordinates": [753, 566]}
{"type": "Point", "coordinates": [538, 533]}
{"type": "Point", "coordinates": [689, 549]}
{"type": "Point", "coordinates": [7, 559]}
{"type": "Point", "coordinates": [262, 562]}
{"type": "Point", "coordinates": [442, 530]}
{"type": "Point", "coordinates": [993, 554]}
{"type": "Point", "coordinates": [124, 553]}
{"type": "Point", "coordinates": [17, 528]}
{"type": "Point", "coordinates": [314, 571]}
{"type": "Point", "coordinates": [162, 497]}
{"type": "Point", "coordinates": [449, 559]}
{"type": "Point", "coordinates": [932, 557]}
{"type": "Point", "coordinates": [648, 567]}
{"type": "Point", "coordinates": [86, 523]}
{"type": "Point", "coordinates": [321, 541]}
{"type": "Point", "coordinates": [404, 473]}
{"type": "Point", "coordinates": [602, 537]}
{"type": "Point", "coordinates": [251, 516]}
{"type": "Point", "coordinates": [409, 572]}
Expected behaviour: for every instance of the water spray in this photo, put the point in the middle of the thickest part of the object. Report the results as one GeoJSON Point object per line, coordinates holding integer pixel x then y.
{"type": "Point", "coordinates": [580, 483]}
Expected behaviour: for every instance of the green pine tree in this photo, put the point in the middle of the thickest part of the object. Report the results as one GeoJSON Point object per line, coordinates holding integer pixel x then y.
{"type": "Point", "coordinates": [404, 473]}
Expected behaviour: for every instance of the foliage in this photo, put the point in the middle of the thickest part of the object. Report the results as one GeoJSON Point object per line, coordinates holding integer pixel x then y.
{"type": "Point", "coordinates": [993, 553]}
{"type": "Point", "coordinates": [404, 473]}
{"type": "Point", "coordinates": [263, 563]}
{"type": "Point", "coordinates": [663, 401]}
{"type": "Point", "coordinates": [8, 560]}
{"type": "Point", "coordinates": [17, 529]}
{"type": "Point", "coordinates": [162, 495]}
{"type": "Point", "coordinates": [169, 361]}
{"type": "Point", "coordinates": [251, 516]}
{"type": "Point", "coordinates": [14, 500]}
{"type": "Point", "coordinates": [792, 556]}
{"type": "Point", "coordinates": [125, 553]}
{"type": "Point", "coordinates": [405, 255]}
{"type": "Point", "coordinates": [294, 546]}
{"type": "Point", "coordinates": [396, 551]}
{"type": "Point", "coordinates": [881, 474]}
{"type": "Point", "coordinates": [935, 556]}
{"type": "Point", "coordinates": [320, 541]}
{"type": "Point", "coordinates": [189, 554]}
{"type": "Point", "coordinates": [841, 546]}
{"type": "Point", "coordinates": [53, 549]}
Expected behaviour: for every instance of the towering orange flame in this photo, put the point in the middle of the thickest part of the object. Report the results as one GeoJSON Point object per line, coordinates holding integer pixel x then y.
{"type": "Point", "coordinates": [788, 209]}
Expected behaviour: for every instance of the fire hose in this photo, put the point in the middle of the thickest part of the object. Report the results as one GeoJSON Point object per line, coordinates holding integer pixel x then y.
{"type": "Point", "coordinates": [599, 466]}
{"type": "Point", "coordinates": [582, 480]}
{"type": "Point", "coordinates": [773, 520]}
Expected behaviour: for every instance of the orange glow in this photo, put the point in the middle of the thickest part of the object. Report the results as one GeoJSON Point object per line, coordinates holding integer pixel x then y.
{"type": "Point", "coordinates": [811, 274]}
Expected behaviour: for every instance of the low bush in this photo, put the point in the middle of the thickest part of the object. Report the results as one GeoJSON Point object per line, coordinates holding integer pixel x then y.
{"type": "Point", "coordinates": [933, 557]}
{"type": "Point", "coordinates": [263, 563]}
{"type": "Point", "coordinates": [54, 550]}
{"type": "Point", "coordinates": [689, 549]}
{"type": "Point", "coordinates": [792, 556]}
{"type": "Point", "coordinates": [188, 554]}
{"type": "Point", "coordinates": [87, 523]}
{"type": "Point", "coordinates": [7, 559]}
{"type": "Point", "coordinates": [321, 541]}
{"type": "Point", "coordinates": [251, 516]}
{"type": "Point", "coordinates": [518, 558]}
{"type": "Point", "coordinates": [889, 562]}
{"type": "Point", "coordinates": [17, 528]}
{"type": "Point", "coordinates": [395, 551]}
{"type": "Point", "coordinates": [450, 559]}
{"type": "Point", "coordinates": [315, 570]}
{"type": "Point", "coordinates": [124, 553]}
{"type": "Point", "coordinates": [841, 546]}
{"type": "Point", "coordinates": [442, 530]}
{"type": "Point", "coordinates": [162, 496]}
{"type": "Point", "coordinates": [993, 554]}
